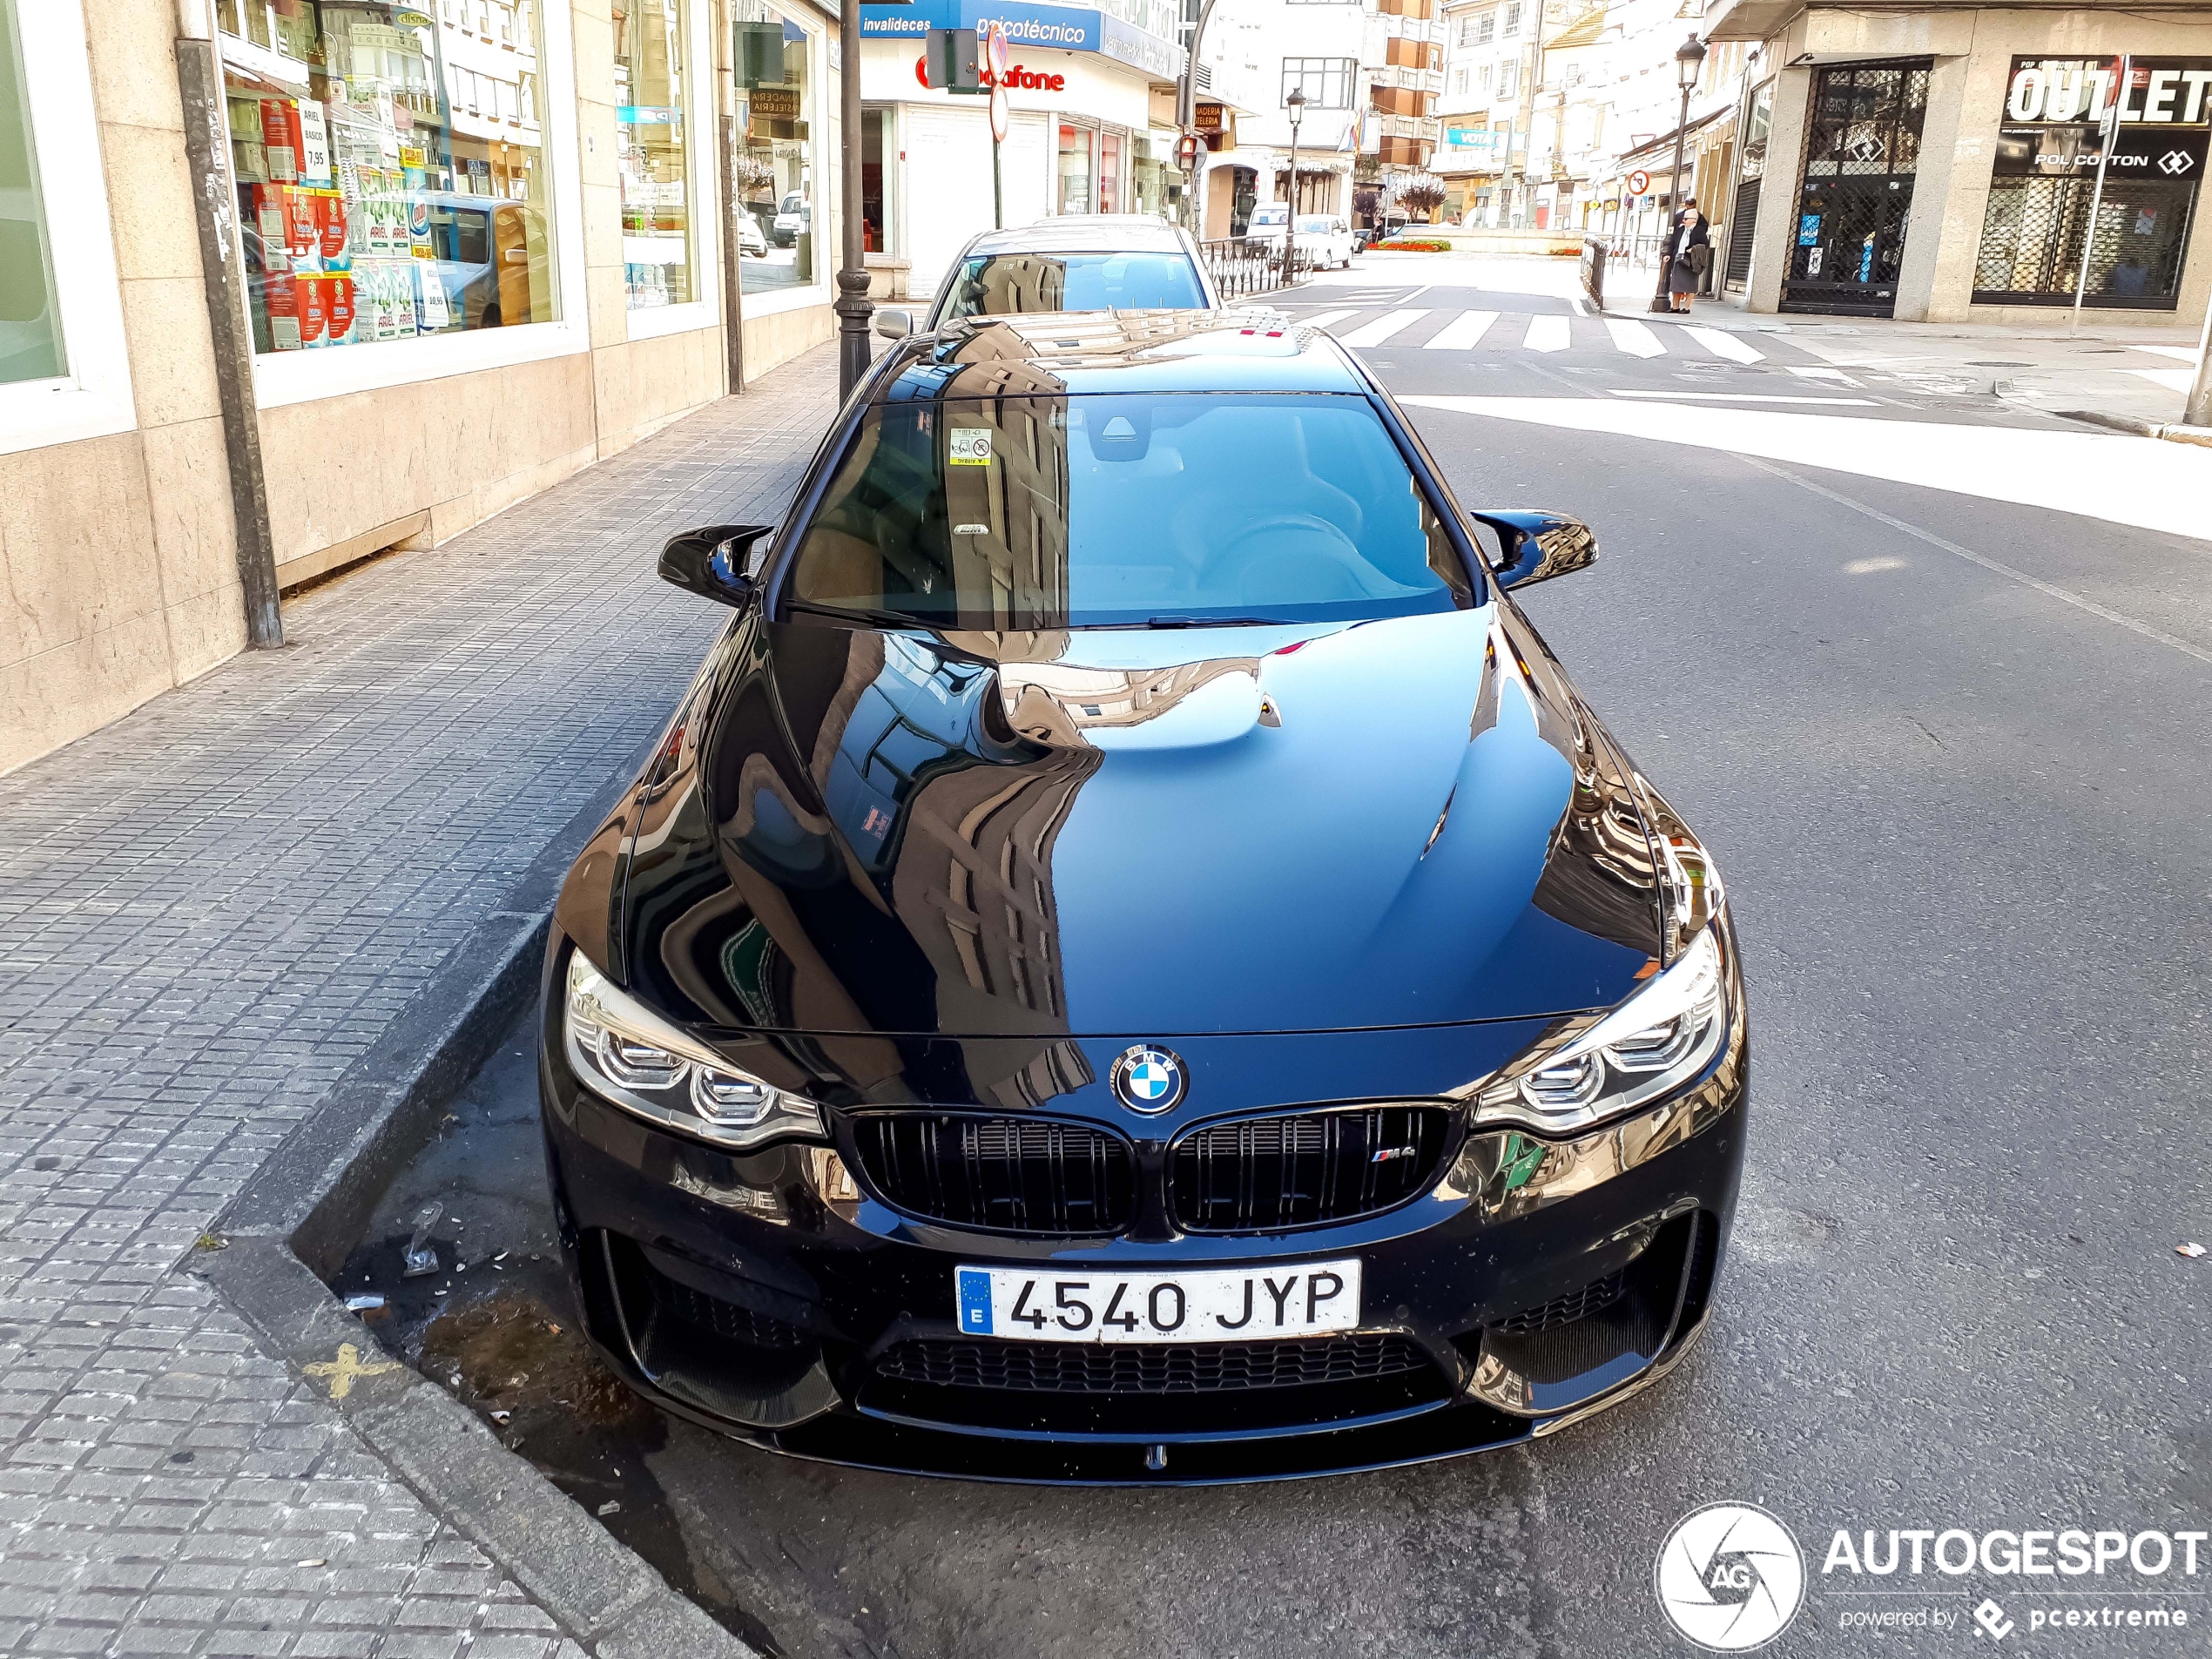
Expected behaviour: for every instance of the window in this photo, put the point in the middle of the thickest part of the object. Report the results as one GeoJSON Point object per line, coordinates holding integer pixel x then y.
{"type": "Point", "coordinates": [1465, 36]}
{"type": "Point", "coordinates": [776, 165]}
{"type": "Point", "coordinates": [31, 317]}
{"type": "Point", "coordinates": [1513, 18]}
{"type": "Point", "coordinates": [1326, 81]}
{"type": "Point", "coordinates": [1109, 173]}
{"type": "Point", "coordinates": [1008, 284]}
{"type": "Point", "coordinates": [1486, 28]}
{"type": "Point", "coordinates": [1076, 192]}
{"type": "Point", "coordinates": [1107, 512]}
{"type": "Point", "coordinates": [1509, 78]}
{"type": "Point", "coordinates": [375, 203]}
{"type": "Point", "coordinates": [1488, 70]}
{"type": "Point", "coordinates": [1460, 78]}
{"type": "Point", "coordinates": [649, 99]}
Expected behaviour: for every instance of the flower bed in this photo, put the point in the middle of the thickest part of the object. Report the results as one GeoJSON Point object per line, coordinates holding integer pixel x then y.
{"type": "Point", "coordinates": [1414, 247]}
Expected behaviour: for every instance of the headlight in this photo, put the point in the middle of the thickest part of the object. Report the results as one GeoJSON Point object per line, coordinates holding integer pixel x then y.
{"type": "Point", "coordinates": [1652, 1044]}
{"type": "Point", "coordinates": [626, 1054]}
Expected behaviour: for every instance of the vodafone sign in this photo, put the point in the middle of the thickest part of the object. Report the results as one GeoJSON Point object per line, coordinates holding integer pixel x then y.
{"type": "Point", "coordinates": [1018, 77]}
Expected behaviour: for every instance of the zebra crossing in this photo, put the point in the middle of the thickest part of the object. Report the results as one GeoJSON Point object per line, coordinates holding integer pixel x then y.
{"type": "Point", "coordinates": [1453, 329]}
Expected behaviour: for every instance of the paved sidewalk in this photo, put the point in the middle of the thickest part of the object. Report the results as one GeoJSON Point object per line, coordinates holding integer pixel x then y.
{"type": "Point", "coordinates": [208, 910]}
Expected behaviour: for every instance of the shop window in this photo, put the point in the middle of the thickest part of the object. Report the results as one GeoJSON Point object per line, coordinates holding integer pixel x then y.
{"type": "Point", "coordinates": [1076, 193]}
{"type": "Point", "coordinates": [1152, 172]}
{"type": "Point", "coordinates": [1326, 81]}
{"type": "Point", "coordinates": [874, 207]}
{"type": "Point", "coordinates": [650, 112]}
{"type": "Point", "coordinates": [381, 195]}
{"type": "Point", "coordinates": [775, 163]}
{"type": "Point", "coordinates": [1109, 173]}
{"type": "Point", "coordinates": [30, 327]}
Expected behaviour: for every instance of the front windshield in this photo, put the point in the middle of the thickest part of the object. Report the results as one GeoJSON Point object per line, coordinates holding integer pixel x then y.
{"type": "Point", "coordinates": [1126, 510]}
{"type": "Point", "coordinates": [1268, 215]}
{"type": "Point", "coordinates": [1005, 284]}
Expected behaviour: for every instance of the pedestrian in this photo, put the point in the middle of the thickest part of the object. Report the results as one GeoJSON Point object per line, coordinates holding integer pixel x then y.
{"type": "Point", "coordinates": [1690, 255]}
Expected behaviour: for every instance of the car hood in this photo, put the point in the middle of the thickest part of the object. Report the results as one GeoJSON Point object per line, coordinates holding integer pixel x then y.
{"type": "Point", "coordinates": [1155, 833]}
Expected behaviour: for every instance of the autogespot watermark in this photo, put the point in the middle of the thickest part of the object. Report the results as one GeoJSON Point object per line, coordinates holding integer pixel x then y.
{"type": "Point", "coordinates": [1730, 1577]}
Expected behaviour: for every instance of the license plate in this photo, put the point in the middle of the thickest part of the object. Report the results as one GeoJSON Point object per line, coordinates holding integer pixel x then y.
{"type": "Point", "coordinates": [1215, 1304]}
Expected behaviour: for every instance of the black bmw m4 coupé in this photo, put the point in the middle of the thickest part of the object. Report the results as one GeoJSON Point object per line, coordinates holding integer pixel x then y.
{"type": "Point", "coordinates": [1132, 961]}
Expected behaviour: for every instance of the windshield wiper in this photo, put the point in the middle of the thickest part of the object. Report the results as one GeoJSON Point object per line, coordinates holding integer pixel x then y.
{"type": "Point", "coordinates": [1212, 622]}
{"type": "Point", "coordinates": [860, 613]}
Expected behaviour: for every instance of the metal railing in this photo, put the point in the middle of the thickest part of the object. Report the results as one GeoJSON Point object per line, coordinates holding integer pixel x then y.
{"type": "Point", "coordinates": [1247, 264]}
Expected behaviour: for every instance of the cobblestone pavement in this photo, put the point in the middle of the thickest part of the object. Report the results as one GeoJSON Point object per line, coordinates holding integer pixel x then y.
{"type": "Point", "coordinates": [208, 910]}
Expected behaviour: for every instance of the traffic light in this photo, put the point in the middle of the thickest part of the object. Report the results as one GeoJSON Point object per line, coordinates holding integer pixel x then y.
{"type": "Point", "coordinates": [1186, 152]}
{"type": "Point", "coordinates": [954, 61]}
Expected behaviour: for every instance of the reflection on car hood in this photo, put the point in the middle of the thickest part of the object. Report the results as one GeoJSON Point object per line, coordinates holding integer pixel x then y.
{"type": "Point", "coordinates": [1150, 833]}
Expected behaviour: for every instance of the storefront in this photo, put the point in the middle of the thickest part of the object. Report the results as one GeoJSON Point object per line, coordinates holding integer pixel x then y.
{"type": "Point", "coordinates": [1084, 87]}
{"type": "Point", "coordinates": [1944, 165]}
{"type": "Point", "coordinates": [462, 249]}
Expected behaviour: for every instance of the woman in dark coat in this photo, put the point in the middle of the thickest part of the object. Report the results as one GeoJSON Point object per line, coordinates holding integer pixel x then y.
{"type": "Point", "coordinates": [1689, 252]}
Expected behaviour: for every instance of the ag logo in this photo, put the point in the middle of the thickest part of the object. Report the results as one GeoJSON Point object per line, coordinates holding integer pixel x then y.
{"type": "Point", "coordinates": [1150, 1080]}
{"type": "Point", "coordinates": [1729, 1577]}
{"type": "Point", "coordinates": [2174, 163]}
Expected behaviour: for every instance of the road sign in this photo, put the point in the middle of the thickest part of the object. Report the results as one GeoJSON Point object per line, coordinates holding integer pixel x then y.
{"type": "Point", "coordinates": [998, 54]}
{"type": "Point", "coordinates": [1639, 182]}
{"type": "Point", "coordinates": [998, 115]}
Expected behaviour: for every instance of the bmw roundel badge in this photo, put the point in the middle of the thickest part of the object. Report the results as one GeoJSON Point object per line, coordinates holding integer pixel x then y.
{"type": "Point", "coordinates": [1150, 1080]}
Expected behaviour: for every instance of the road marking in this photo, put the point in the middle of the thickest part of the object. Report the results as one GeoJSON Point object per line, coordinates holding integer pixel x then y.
{"type": "Point", "coordinates": [2174, 379]}
{"type": "Point", "coordinates": [1327, 319]}
{"type": "Point", "coordinates": [1383, 327]}
{"type": "Point", "coordinates": [1722, 344]}
{"type": "Point", "coordinates": [1633, 338]}
{"type": "Point", "coordinates": [1464, 332]}
{"type": "Point", "coordinates": [2064, 595]}
{"type": "Point", "coordinates": [2178, 354]}
{"type": "Point", "coordinates": [348, 1365]}
{"type": "Point", "coordinates": [1745, 397]}
{"type": "Point", "coordinates": [1834, 374]}
{"type": "Point", "coordinates": [1546, 334]}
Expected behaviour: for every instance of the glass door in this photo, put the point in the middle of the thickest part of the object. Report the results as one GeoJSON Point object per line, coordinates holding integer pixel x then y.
{"type": "Point", "coordinates": [1862, 153]}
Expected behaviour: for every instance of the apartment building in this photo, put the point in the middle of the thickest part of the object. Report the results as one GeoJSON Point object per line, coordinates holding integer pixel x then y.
{"type": "Point", "coordinates": [1371, 72]}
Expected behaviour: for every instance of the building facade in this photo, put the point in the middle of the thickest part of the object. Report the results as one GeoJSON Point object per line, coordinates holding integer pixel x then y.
{"type": "Point", "coordinates": [1371, 72]}
{"type": "Point", "coordinates": [1091, 98]}
{"type": "Point", "coordinates": [459, 249]}
{"type": "Point", "coordinates": [1952, 164]}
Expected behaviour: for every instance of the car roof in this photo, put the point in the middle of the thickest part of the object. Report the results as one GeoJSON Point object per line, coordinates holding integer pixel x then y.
{"type": "Point", "coordinates": [1083, 233]}
{"type": "Point", "coordinates": [1244, 348]}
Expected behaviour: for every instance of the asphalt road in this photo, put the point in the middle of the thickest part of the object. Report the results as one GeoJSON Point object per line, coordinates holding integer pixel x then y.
{"type": "Point", "coordinates": [1952, 752]}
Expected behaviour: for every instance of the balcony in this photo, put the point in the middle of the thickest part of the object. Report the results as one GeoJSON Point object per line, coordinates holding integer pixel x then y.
{"type": "Point", "coordinates": [1420, 129]}
{"type": "Point", "coordinates": [1398, 27]}
{"type": "Point", "coordinates": [1412, 80]}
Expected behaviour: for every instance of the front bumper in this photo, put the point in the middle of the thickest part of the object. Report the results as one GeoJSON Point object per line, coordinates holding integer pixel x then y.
{"type": "Point", "coordinates": [762, 1294]}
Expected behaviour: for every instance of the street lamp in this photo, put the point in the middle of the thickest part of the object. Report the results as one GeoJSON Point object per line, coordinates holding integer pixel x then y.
{"type": "Point", "coordinates": [1296, 105]}
{"type": "Point", "coordinates": [1689, 59]}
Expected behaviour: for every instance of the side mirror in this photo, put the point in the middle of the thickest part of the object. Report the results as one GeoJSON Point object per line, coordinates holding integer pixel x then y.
{"type": "Point", "coordinates": [711, 561]}
{"type": "Point", "coordinates": [1539, 546]}
{"type": "Point", "coordinates": [894, 325]}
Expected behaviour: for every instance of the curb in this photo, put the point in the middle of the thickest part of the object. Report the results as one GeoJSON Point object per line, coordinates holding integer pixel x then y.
{"type": "Point", "coordinates": [2172, 431]}
{"type": "Point", "coordinates": [304, 1209]}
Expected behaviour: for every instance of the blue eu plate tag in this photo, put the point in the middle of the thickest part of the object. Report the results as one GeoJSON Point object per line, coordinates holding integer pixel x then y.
{"type": "Point", "coordinates": [974, 1285]}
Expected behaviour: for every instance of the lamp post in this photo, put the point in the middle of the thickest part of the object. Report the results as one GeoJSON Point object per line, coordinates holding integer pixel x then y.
{"type": "Point", "coordinates": [1296, 105]}
{"type": "Point", "coordinates": [852, 306]}
{"type": "Point", "coordinates": [1689, 58]}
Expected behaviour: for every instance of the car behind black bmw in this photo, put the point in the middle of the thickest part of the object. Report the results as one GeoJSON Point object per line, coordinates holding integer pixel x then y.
{"type": "Point", "coordinates": [1132, 962]}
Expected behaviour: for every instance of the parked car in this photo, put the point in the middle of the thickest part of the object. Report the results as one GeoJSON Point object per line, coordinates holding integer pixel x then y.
{"type": "Point", "coordinates": [1267, 222]}
{"type": "Point", "coordinates": [1132, 961]}
{"type": "Point", "coordinates": [1326, 242]}
{"type": "Point", "coordinates": [750, 237]}
{"type": "Point", "coordinates": [792, 218]}
{"type": "Point", "coordinates": [1074, 262]}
